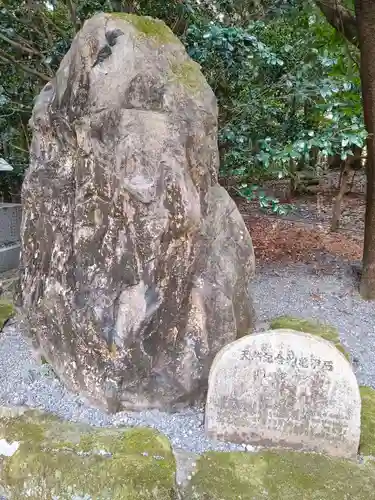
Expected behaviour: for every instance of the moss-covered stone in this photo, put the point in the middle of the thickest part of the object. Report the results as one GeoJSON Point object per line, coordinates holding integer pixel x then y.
{"type": "Point", "coordinates": [367, 443]}
{"type": "Point", "coordinates": [62, 460]}
{"type": "Point", "coordinates": [279, 476]}
{"type": "Point", "coordinates": [149, 27]}
{"type": "Point", "coordinates": [314, 327]}
{"type": "Point", "coordinates": [6, 312]}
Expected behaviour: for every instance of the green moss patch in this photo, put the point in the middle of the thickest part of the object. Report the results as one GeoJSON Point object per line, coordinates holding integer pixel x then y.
{"type": "Point", "coordinates": [367, 443]}
{"type": "Point", "coordinates": [279, 476]}
{"type": "Point", "coordinates": [311, 326]}
{"type": "Point", "coordinates": [6, 312]}
{"type": "Point", "coordinates": [65, 461]}
{"type": "Point", "coordinates": [149, 27]}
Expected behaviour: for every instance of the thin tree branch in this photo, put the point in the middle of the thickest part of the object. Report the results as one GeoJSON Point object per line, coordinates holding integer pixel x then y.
{"type": "Point", "coordinates": [73, 15]}
{"type": "Point", "coordinates": [341, 18]}
{"type": "Point", "coordinates": [33, 26]}
{"type": "Point", "coordinates": [19, 46]}
{"type": "Point", "coordinates": [57, 28]}
{"type": "Point", "coordinates": [24, 41]}
{"type": "Point", "coordinates": [7, 58]}
{"type": "Point", "coordinates": [47, 32]}
{"type": "Point", "coordinates": [19, 149]}
{"type": "Point", "coordinates": [26, 137]}
{"type": "Point", "coordinates": [355, 60]}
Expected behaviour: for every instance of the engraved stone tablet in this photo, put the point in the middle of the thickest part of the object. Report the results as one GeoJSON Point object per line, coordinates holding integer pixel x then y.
{"type": "Point", "coordinates": [284, 389]}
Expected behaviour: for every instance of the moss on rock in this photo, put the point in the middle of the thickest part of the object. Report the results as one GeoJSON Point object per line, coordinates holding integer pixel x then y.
{"type": "Point", "coordinates": [311, 326]}
{"type": "Point", "coordinates": [6, 312]}
{"type": "Point", "coordinates": [367, 443]}
{"type": "Point", "coordinates": [188, 74]}
{"type": "Point", "coordinates": [275, 475]}
{"type": "Point", "coordinates": [149, 27]}
{"type": "Point", "coordinates": [62, 460]}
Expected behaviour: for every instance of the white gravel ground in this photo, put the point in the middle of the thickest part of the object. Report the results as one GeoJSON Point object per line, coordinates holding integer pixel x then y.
{"type": "Point", "coordinates": [332, 298]}
{"type": "Point", "coordinates": [292, 290]}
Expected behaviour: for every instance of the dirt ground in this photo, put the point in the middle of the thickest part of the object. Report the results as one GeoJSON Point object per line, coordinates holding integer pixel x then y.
{"type": "Point", "coordinates": [304, 235]}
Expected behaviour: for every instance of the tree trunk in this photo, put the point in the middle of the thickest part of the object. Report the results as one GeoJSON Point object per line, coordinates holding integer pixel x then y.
{"type": "Point", "coordinates": [340, 18]}
{"type": "Point", "coordinates": [293, 177]}
{"type": "Point", "coordinates": [365, 14]}
{"type": "Point", "coordinates": [336, 212]}
{"type": "Point", "coordinates": [352, 182]}
{"type": "Point", "coordinates": [355, 165]}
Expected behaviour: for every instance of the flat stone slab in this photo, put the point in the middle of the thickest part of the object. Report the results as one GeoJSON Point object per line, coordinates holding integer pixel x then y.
{"type": "Point", "coordinates": [284, 389]}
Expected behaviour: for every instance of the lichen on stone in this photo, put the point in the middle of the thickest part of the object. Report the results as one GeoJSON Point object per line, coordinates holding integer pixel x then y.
{"type": "Point", "coordinates": [311, 326]}
{"type": "Point", "coordinates": [65, 460]}
{"type": "Point", "coordinates": [275, 475]}
{"type": "Point", "coordinates": [149, 27]}
{"type": "Point", "coordinates": [367, 442]}
{"type": "Point", "coordinates": [6, 312]}
{"type": "Point", "coordinates": [187, 74]}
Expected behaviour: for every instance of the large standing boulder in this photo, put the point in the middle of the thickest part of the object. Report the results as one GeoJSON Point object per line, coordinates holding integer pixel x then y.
{"type": "Point", "coordinates": [135, 263]}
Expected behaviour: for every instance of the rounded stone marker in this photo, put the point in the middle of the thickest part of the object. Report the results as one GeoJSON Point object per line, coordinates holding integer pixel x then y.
{"type": "Point", "coordinates": [284, 389]}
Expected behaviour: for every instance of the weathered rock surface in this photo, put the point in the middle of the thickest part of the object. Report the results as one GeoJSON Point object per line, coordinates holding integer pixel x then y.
{"type": "Point", "coordinates": [288, 389]}
{"type": "Point", "coordinates": [135, 263]}
{"type": "Point", "coordinates": [42, 458]}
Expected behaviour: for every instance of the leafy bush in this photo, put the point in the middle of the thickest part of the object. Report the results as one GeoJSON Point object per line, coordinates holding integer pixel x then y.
{"type": "Point", "coordinates": [288, 87]}
{"type": "Point", "coordinates": [288, 94]}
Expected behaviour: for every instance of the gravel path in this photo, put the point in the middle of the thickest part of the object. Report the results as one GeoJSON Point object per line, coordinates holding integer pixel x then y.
{"type": "Point", "coordinates": [24, 382]}
{"type": "Point", "coordinates": [293, 290]}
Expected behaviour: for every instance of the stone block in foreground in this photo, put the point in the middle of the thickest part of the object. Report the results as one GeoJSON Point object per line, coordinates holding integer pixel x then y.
{"type": "Point", "coordinates": [42, 457]}
{"type": "Point", "coordinates": [280, 475]}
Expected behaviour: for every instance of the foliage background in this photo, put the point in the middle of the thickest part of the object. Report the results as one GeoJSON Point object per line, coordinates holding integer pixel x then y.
{"type": "Point", "coordinates": [287, 83]}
